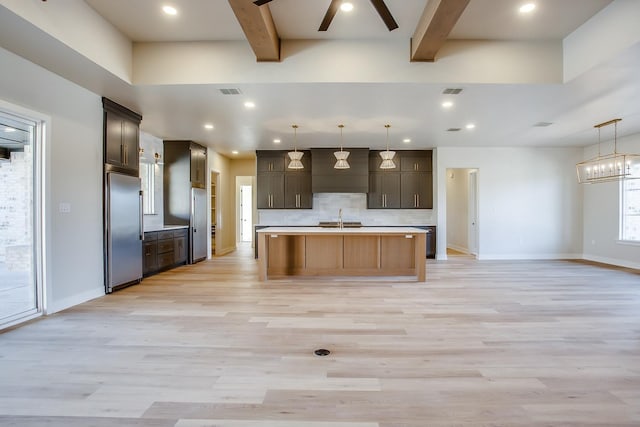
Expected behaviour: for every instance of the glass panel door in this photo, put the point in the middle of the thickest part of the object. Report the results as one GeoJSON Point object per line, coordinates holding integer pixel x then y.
{"type": "Point", "coordinates": [18, 290]}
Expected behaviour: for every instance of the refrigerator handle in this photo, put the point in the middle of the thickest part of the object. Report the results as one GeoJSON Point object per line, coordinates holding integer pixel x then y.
{"type": "Point", "coordinates": [193, 209]}
{"type": "Point", "coordinates": [140, 210]}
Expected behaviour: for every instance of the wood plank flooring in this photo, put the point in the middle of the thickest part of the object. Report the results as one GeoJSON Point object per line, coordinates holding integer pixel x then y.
{"type": "Point", "coordinates": [529, 343]}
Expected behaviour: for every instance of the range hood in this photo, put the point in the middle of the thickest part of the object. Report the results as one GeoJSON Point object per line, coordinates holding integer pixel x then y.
{"type": "Point", "coordinates": [326, 179]}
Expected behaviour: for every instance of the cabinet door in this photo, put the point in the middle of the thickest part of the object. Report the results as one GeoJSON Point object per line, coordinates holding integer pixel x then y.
{"type": "Point", "coordinates": [130, 144]}
{"type": "Point", "coordinates": [415, 163]}
{"type": "Point", "coordinates": [417, 191]}
{"type": "Point", "coordinates": [297, 191]}
{"type": "Point", "coordinates": [384, 190]}
{"type": "Point", "coordinates": [180, 249]}
{"type": "Point", "coordinates": [113, 139]}
{"type": "Point", "coordinates": [150, 257]}
{"type": "Point", "coordinates": [198, 166]}
{"type": "Point", "coordinates": [270, 161]}
{"type": "Point", "coordinates": [270, 192]}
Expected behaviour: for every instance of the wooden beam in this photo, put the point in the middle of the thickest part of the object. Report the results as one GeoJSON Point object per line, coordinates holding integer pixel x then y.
{"type": "Point", "coordinates": [437, 21]}
{"type": "Point", "coordinates": [259, 28]}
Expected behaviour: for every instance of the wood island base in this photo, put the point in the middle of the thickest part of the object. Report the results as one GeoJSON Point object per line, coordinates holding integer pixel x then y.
{"type": "Point", "coordinates": [366, 251]}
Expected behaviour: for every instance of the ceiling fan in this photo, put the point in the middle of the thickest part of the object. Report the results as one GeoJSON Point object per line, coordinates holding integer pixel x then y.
{"type": "Point", "coordinates": [380, 6]}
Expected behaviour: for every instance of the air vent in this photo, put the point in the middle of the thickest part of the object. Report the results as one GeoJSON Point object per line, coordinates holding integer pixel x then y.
{"type": "Point", "coordinates": [542, 124]}
{"type": "Point", "coordinates": [230, 91]}
{"type": "Point", "coordinates": [4, 154]}
{"type": "Point", "coordinates": [454, 129]}
{"type": "Point", "coordinates": [451, 91]}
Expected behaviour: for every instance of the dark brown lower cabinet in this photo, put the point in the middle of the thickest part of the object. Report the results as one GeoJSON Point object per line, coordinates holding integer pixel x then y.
{"type": "Point", "coordinates": [163, 250]}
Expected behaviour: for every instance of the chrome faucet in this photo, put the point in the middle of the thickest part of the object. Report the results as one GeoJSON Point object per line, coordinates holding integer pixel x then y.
{"type": "Point", "coordinates": [340, 224]}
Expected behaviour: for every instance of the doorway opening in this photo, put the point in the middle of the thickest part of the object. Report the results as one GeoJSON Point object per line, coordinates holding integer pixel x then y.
{"type": "Point", "coordinates": [462, 212]}
{"type": "Point", "coordinates": [21, 289]}
{"type": "Point", "coordinates": [244, 209]}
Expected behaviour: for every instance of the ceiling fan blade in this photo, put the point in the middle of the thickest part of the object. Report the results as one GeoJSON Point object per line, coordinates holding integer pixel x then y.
{"type": "Point", "coordinates": [328, 17]}
{"type": "Point", "coordinates": [261, 2]}
{"type": "Point", "coordinates": [385, 14]}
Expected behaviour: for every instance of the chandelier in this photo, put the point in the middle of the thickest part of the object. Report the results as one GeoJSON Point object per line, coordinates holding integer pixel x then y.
{"type": "Point", "coordinates": [295, 155]}
{"type": "Point", "coordinates": [341, 156]}
{"type": "Point", "coordinates": [610, 167]}
{"type": "Point", "coordinates": [387, 156]}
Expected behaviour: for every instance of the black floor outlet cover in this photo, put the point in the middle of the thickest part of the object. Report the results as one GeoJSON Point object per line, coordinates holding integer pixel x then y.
{"type": "Point", "coordinates": [322, 352]}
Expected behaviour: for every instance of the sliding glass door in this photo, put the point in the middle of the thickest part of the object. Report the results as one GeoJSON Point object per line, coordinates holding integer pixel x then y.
{"type": "Point", "coordinates": [19, 291]}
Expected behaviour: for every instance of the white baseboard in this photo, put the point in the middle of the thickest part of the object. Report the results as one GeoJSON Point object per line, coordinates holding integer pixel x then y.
{"type": "Point", "coordinates": [63, 304]}
{"type": "Point", "coordinates": [612, 261]}
{"type": "Point", "coordinates": [522, 257]}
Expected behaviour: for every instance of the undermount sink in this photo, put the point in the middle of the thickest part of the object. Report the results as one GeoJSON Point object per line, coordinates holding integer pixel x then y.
{"type": "Point", "coordinates": [336, 224]}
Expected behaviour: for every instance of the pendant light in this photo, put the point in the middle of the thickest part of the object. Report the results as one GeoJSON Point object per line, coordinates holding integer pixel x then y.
{"type": "Point", "coordinates": [341, 156]}
{"type": "Point", "coordinates": [611, 167]}
{"type": "Point", "coordinates": [295, 155]}
{"type": "Point", "coordinates": [387, 156]}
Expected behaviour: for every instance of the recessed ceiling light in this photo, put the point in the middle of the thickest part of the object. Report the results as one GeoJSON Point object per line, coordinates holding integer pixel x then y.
{"type": "Point", "coordinates": [234, 152]}
{"type": "Point", "coordinates": [276, 141]}
{"type": "Point", "coordinates": [346, 6]}
{"type": "Point", "coordinates": [8, 129]}
{"type": "Point", "coordinates": [208, 126]}
{"type": "Point", "coordinates": [470, 126]}
{"type": "Point", "coordinates": [170, 10]}
{"type": "Point", "coordinates": [447, 104]}
{"type": "Point", "coordinates": [406, 140]}
{"type": "Point", "coordinates": [527, 8]}
{"type": "Point", "coordinates": [249, 104]}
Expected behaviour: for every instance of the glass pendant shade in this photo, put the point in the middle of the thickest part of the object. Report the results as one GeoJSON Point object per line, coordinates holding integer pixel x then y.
{"type": "Point", "coordinates": [611, 167]}
{"type": "Point", "coordinates": [295, 155]}
{"type": "Point", "coordinates": [342, 160]}
{"type": "Point", "coordinates": [387, 156]}
{"type": "Point", "coordinates": [387, 160]}
{"type": "Point", "coordinates": [341, 156]}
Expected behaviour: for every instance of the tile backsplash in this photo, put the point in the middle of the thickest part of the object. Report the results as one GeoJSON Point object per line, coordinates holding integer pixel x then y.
{"type": "Point", "coordinates": [354, 208]}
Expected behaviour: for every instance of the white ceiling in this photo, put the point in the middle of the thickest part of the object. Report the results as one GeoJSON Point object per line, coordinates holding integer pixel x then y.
{"type": "Point", "coordinates": [504, 114]}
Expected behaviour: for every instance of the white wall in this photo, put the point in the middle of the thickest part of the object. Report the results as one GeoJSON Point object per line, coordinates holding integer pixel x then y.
{"type": "Point", "coordinates": [529, 201]}
{"type": "Point", "coordinates": [73, 166]}
{"type": "Point", "coordinates": [602, 214]}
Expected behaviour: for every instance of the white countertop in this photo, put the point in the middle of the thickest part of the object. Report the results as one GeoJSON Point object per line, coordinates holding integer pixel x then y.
{"type": "Point", "coordinates": [348, 230]}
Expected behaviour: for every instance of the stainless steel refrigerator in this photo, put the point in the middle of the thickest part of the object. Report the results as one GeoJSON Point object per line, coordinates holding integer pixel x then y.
{"type": "Point", "coordinates": [198, 225]}
{"type": "Point", "coordinates": [123, 231]}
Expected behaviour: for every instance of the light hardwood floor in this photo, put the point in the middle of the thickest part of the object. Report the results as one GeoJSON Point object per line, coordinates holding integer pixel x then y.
{"type": "Point", "coordinates": [527, 343]}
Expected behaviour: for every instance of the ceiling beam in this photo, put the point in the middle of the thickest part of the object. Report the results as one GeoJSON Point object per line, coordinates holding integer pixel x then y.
{"type": "Point", "coordinates": [259, 28]}
{"type": "Point", "coordinates": [437, 21]}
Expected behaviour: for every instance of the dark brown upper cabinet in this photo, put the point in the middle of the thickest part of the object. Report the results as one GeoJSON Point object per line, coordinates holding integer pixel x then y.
{"type": "Point", "coordinates": [415, 161]}
{"type": "Point", "coordinates": [121, 138]}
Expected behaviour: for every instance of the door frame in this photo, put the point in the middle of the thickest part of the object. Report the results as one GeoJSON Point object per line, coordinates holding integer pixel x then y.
{"type": "Point", "coordinates": [40, 209]}
{"type": "Point", "coordinates": [473, 224]}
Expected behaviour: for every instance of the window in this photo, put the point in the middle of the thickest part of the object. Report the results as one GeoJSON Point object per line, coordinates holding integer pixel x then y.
{"type": "Point", "coordinates": [147, 176]}
{"type": "Point", "coordinates": [630, 221]}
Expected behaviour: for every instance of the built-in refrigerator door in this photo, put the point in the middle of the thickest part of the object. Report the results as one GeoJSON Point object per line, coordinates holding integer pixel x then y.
{"type": "Point", "coordinates": [198, 225]}
{"type": "Point", "coordinates": [123, 230]}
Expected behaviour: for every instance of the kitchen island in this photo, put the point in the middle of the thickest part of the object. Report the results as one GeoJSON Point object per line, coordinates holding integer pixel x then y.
{"type": "Point", "coordinates": [364, 251]}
